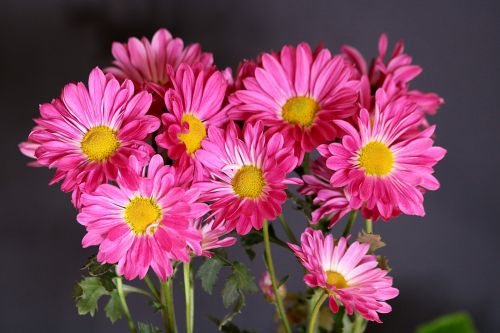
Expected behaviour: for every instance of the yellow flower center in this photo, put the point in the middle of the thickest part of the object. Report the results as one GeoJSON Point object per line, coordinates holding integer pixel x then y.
{"type": "Point", "coordinates": [99, 143]}
{"type": "Point", "coordinates": [300, 111]}
{"type": "Point", "coordinates": [248, 182]}
{"type": "Point", "coordinates": [376, 158]}
{"type": "Point", "coordinates": [336, 279]}
{"type": "Point", "coordinates": [195, 134]}
{"type": "Point", "coordinates": [141, 213]}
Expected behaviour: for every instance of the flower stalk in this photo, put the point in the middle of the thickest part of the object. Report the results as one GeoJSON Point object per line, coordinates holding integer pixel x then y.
{"type": "Point", "coordinates": [270, 268]}
{"type": "Point", "coordinates": [123, 302]}
{"type": "Point", "coordinates": [168, 311]}
{"type": "Point", "coordinates": [189, 295]}
{"type": "Point", "coordinates": [311, 327]}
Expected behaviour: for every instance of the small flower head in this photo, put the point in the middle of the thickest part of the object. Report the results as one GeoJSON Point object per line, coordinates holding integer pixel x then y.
{"type": "Point", "coordinates": [143, 221]}
{"type": "Point", "coordinates": [383, 163]}
{"type": "Point", "coordinates": [298, 94]}
{"type": "Point", "coordinates": [347, 273]}
{"type": "Point", "coordinates": [247, 175]}
{"type": "Point", "coordinates": [89, 133]}
{"type": "Point", "coordinates": [266, 286]}
{"type": "Point", "coordinates": [212, 236]}
{"type": "Point", "coordinates": [194, 104]}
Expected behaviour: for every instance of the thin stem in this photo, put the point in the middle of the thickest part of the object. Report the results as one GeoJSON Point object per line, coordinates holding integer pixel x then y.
{"type": "Point", "coordinates": [270, 267]}
{"type": "Point", "coordinates": [152, 288]}
{"type": "Point", "coordinates": [311, 327]}
{"type": "Point", "coordinates": [132, 289]}
{"type": "Point", "coordinates": [189, 295]}
{"type": "Point", "coordinates": [288, 231]}
{"type": "Point", "coordinates": [168, 311]}
{"type": "Point", "coordinates": [359, 324]}
{"type": "Point", "coordinates": [305, 163]}
{"type": "Point", "coordinates": [369, 226]}
{"type": "Point", "coordinates": [348, 226]}
{"type": "Point", "coordinates": [123, 302]}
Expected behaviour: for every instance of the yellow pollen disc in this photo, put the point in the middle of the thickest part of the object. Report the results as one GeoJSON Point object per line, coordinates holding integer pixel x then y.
{"type": "Point", "coordinates": [300, 111]}
{"type": "Point", "coordinates": [194, 135]}
{"type": "Point", "coordinates": [248, 182]}
{"type": "Point", "coordinates": [336, 279]}
{"type": "Point", "coordinates": [376, 158]}
{"type": "Point", "coordinates": [142, 212]}
{"type": "Point", "coordinates": [99, 143]}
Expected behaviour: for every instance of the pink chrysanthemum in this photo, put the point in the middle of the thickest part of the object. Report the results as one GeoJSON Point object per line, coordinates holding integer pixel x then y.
{"type": "Point", "coordinates": [382, 166]}
{"type": "Point", "coordinates": [194, 104]}
{"type": "Point", "coordinates": [144, 221]}
{"type": "Point", "coordinates": [348, 274]}
{"type": "Point", "coordinates": [88, 135]}
{"type": "Point", "coordinates": [298, 94]}
{"type": "Point", "coordinates": [145, 62]}
{"type": "Point", "coordinates": [247, 175]}
{"type": "Point", "coordinates": [212, 234]}
{"type": "Point", "coordinates": [393, 75]}
{"type": "Point", "coordinates": [333, 202]}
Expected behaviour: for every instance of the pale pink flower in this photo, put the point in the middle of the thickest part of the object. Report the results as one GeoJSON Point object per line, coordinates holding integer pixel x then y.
{"type": "Point", "coordinates": [194, 104]}
{"type": "Point", "coordinates": [247, 175]}
{"type": "Point", "coordinates": [332, 202]}
{"type": "Point", "coordinates": [393, 75]}
{"type": "Point", "coordinates": [145, 62]}
{"type": "Point", "coordinates": [298, 94]}
{"type": "Point", "coordinates": [88, 134]}
{"type": "Point", "coordinates": [383, 164]}
{"type": "Point", "coordinates": [143, 221]}
{"type": "Point", "coordinates": [212, 236]}
{"type": "Point", "coordinates": [266, 286]}
{"type": "Point", "coordinates": [347, 273]}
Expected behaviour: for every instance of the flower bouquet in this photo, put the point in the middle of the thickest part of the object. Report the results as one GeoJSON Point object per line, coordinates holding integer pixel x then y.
{"type": "Point", "coordinates": [168, 159]}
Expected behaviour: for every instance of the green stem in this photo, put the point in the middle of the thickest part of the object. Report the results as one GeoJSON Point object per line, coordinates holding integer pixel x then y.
{"type": "Point", "coordinates": [348, 226]}
{"type": "Point", "coordinates": [369, 226]}
{"type": "Point", "coordinates": [123, 302]}
{"type": "Point", "coordinates": [288, 231]}
{"type": "Point", "coordinates": [189, 295]}
{"type": "Point", "coordinates": [132, 289]}
{"type": "Point", "coordinates": [270, 267]}
{"type": "Point", "coordinates": [152, 288]}
{"type": "Point", "coordinates": [311, 327]}
{"type": "Point", "coordinates": [168, 311]}
{"type": "Point", "coordinates": [359, 324]}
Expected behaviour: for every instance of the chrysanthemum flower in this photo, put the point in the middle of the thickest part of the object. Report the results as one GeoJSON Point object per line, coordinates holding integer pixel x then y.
{"type": "Point", "coordinates": [298, 94]}
{"type": "Point", "coordinates": [383, 164]}
{"type": "Point", "coordinates": [144, 221]}
{"type": "Point", "coordinates": [247, 175]}
{"type": "Point", "coordinates": [194, 104]}
{"type": "Point", "coordinates": [88, 135]}
{"type": "Point", "coordinates": [347, 273]}
{"type": "Point", "coordinates": [332, 202]}
{"type": "Point", "coordinates": [145, 62]}
{"type": "Point", "coordinates": [393, 75]}
{"type": "Point", "coordinates": [211, 235]}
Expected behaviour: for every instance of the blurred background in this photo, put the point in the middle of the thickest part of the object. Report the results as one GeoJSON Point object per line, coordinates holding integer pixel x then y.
{"type": "Point", "coordinates": [445, 262]}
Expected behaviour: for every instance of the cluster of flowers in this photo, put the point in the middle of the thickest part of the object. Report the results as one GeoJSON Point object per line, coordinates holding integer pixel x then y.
{"type": "Point", "coordinates": [165, 154]}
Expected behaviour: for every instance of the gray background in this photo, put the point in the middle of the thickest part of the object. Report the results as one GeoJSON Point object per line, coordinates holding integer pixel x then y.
{"type": "Point", "coordinates": [444, 262]}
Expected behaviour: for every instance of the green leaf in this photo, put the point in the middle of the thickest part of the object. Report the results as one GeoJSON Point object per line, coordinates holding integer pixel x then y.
{"type": "Point", "coordinates": [208, 273]}
{"type": "Point", "coordinates": [252, 238]}
{"type": "Point", "coordinates": [459, 322]}
{"type": "Point", "coordinates": [244, 278]}
{"type": "Point", "coordinates": [234, 311]}
{"type": "Point", "coordinates": [91, 291]}
{"type": "Point", "coordinates": [283, 280]}
{"type": "Point", "coordinates": [113, 309]}
{"type": "Point", "coordinates": [147, 328]}
{"type": "Point", "coordinates": [230, 292]}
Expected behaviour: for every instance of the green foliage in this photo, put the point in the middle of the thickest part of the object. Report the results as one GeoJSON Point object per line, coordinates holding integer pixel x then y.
{"type": "Point", "coordinates": [113, 309]}
{"type": "Point", "coordinates": [147, 328]}
{"type": "Point", "coordinates": [208, 273]}
{"type": "Point", "coordinates": [229, 327]}
{"type": "Point", "coordinates": [453, 323]}
{"type": "Point", "coordinates": [105, 272]}
{"type": "Point", "coordinates": [87, 295]}
{"type": "Point", "coordinates": [238, 283]}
